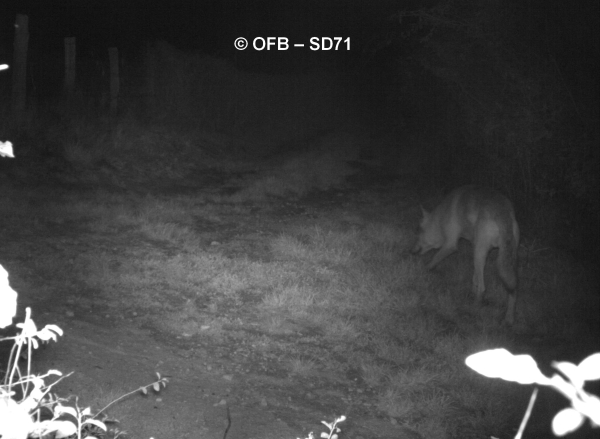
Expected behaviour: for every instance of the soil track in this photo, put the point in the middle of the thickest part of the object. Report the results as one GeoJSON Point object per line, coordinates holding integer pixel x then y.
{"type": "Point", "coordinates": [231, 385]}
{"type": "Point", "coordinates": [218, 388]}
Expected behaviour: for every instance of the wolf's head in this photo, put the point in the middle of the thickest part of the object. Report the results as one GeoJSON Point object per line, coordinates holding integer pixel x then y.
{"type": "Point", "coordinates": [429, 235]}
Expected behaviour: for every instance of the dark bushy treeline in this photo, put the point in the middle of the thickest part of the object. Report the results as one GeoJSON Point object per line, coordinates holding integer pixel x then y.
{"type": "Point", "coordinates": [522, 102]}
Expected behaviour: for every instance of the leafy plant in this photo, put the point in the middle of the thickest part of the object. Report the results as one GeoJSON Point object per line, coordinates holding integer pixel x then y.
{"type": "Point", "coordinates": [333, 429]}
{"type": "Point", "coordinates": [499, 363]}
{"type": "Point", "coordinates": [26, 398]}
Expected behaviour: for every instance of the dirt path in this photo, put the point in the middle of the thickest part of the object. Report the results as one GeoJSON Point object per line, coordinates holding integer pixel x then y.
{"type": "Point", "coordinates": [203, 384]}
{"type": "Point", "coordinates": [226, 388]}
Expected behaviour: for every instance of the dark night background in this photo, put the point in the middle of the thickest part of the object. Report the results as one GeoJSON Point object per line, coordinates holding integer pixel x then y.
{"type": "Point", "coordinates": [567, 33]}
{"type": "Point", "coordinates": [431, 95]}
{"type": "Point", "coordinates": [505, 92]}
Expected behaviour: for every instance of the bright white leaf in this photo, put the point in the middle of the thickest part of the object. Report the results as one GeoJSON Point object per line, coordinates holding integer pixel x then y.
{"type": "Point", "coordinates": [589, 368]}
{"type": "Point", "coordinates": [15, 422]}
{"type": "Point", "coordinates": [156, 387]}
{"type": "Point", "coordinates": [95, 422]}
{"type": "Point", "coordinates": [37, 382]}
{"type": "Point", "coordinates": [570, 371]}
{"type": "Point", "coordinates": [144, 390]}
{"type": "Point", "coordinates": [499, 363]}
{"type": "Point", "coordinates": [6, 148]}
{"type": "Point", "coordinates": [62, 429]}
{"type": "Point", "coordinates": [590, 408]}
{"type": "Point", "coordinates": [566, 421]}
{"type": "Point", "coordinates": [8, 296]}
{"type": "Point", "coordinates": [62, 409]}
{"type": "Point", "coordinates": [594, 405]}
{"type": "Point", "coordinates": [49, 332]}
{"type": "Point", "coordinates": [55, 328]}
{"type": "Point", "coordinates": [35, 396]}
{"type": "Point", "coordinates": [28, 327]}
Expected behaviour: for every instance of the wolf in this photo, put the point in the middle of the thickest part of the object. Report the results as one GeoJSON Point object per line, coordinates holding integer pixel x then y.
{"type": "Point", "coordinates": [486, 218]}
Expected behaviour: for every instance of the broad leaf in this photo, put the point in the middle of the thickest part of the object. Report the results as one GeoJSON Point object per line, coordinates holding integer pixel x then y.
{"type": "Point", "coordinates": [95, 422]}
{"type": "Point", "coordinates": [590, 367]}
{"type": "Point", "coordinates": [62, 409]}
{"type": "Point", "coordinates": [570, 371]}
{"type": "Point", "coordinates": [62, 429]}
{"type": "Point", "coordinates": [567, 421]}
{"type": "Point", "coordinates": [499, 363]}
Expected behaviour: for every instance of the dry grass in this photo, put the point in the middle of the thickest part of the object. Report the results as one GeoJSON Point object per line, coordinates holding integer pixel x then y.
{"type": "Point", "coordinates": [298, 175]}
{"type": "Point", "coordinates": [349, 292]}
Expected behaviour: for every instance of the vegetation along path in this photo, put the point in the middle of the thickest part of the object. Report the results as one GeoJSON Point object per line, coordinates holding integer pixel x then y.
{"type": "Point", "coordinates": [269, 313]}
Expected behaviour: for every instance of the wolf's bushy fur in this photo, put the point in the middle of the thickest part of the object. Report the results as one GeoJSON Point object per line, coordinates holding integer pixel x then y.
{"type": "Point", "coordinates": [486, 218]}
